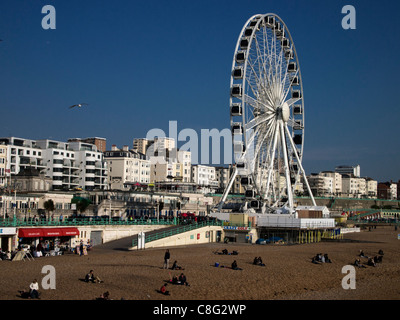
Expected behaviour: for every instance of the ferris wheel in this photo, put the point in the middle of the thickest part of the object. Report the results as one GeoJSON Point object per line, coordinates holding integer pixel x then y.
{"type": "Point", "coordinates": [267, 114]}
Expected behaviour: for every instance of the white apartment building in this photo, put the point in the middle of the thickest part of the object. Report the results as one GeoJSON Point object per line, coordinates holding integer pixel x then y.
{"type": "Point", "coordinates": [204, 175]}
{"type": "Point", "coordinates": [69, 165]}
{"type": "Point", "coordinates": [126, 167]}
{"type": "Point", "coordinates": [371, 187]}
{"type": "Point", "coordinates": [337, 181]}
{"type": "Point", "coordinates": [321, 185]}
{"type": "Point", "coordinates": [353, 186]}
{"type": "Point", "coordinates": [393, 190]}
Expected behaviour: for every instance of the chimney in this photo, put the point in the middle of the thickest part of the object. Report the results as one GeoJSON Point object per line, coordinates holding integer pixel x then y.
{"type": "Point", "coordinates": [114, 147]}
{"type": "Point", "coordinates": [125, 148]}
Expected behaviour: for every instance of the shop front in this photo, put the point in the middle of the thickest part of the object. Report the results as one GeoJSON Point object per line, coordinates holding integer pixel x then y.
{"type": "Point", "coordinates": [7, 239]}
{"type": "Point", "coordinates": [42, 241]}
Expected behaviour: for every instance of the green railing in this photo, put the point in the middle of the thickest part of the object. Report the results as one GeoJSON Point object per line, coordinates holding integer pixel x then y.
{"type": "Point", "coordinates": [168, 233]}
{"type": "Point", "coordinates": [77, 222]}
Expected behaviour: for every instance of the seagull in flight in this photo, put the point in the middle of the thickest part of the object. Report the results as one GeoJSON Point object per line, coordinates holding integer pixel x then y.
{"type": "Point", "coordinates": [78, 105]}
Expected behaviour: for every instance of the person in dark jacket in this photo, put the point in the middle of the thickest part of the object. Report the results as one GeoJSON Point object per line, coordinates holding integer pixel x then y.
{"type": "Point", "coordinates": [166, 259]}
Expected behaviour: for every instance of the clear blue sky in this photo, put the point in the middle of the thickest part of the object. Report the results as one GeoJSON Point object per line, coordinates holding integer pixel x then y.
{"type": "Point", "coordinates": [141, 64]}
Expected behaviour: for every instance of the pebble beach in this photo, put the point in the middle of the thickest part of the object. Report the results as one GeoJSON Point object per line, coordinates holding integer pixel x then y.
{"type": "Point", "coordinates": [288, 273]}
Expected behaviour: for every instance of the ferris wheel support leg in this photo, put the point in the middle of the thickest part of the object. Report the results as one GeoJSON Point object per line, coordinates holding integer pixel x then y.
{"type": "Point", "coordinates": [228, 188]}
{"type": "Point", "coordinates": [271, 164]}
{"type": "Point", "coordinates": [301, 167]}
{"type": "Point", "coordinates": [285, 156]}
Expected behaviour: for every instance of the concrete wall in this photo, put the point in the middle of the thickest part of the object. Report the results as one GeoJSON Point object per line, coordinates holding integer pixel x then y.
{"type": "Point", "coordinates": [112, 232]}
{"type": "Point", "coordinates": [197, 236]}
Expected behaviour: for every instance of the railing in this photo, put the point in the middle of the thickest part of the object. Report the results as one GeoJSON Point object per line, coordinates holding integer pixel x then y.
{"type": "Point", "coordinates": [169, 233]}
{"type": "Point", "coordinates": [80, 222]}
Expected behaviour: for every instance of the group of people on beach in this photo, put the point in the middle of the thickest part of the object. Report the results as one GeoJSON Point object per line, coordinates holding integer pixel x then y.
{"type": "Point", "coordinates": [321, 258]}
{"type": "Point", "coordinates": [371, 261]}
{"type": "Point", "coordinates": [258, 261]}
{"type": "Point", "coordinates": [178, 280]}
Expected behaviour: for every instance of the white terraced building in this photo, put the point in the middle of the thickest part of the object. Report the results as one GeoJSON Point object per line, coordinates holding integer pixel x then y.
{"type": "Point", "coordinates": [70, 164]}
{"type": "Point", "coordinates": [126, 167]}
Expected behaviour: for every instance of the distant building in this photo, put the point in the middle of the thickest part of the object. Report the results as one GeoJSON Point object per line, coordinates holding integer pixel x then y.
{"type": "Point", "coordinates": [100, 143]}
{"type": "Point", "coordinates": [3, 167]}
{"type": "Point", "coordinates": [222, 175]}
{"type": "Point", "coordinates": [126, 167]}
{"type": "Point", "coordinates": [387, 190]}
{"type": "Point", "coordinates": [204, 175]}
{"type": "Point", "coordinates": [321, 185]}
{"type": "Point", "coordinates": [371, 187]}
{"type": "Point", "coordinates": [354, 170]}
{"type": "Point", "coordinates": [354, 187]}
{"type": "Point", "coordinates": [336, 182]}
{"type": "Point", "coordinates": [69, 164]}
{"type": "Point", "coordinates": [31, 180]}
{"type": "Point", "coordinates": [140, 145]}
{"type": "Point", "coordinates": [173, 165]}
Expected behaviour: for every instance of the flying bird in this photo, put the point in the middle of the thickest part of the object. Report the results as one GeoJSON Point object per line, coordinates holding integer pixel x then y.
{"type": "Point", "coordinates": [78, 105]}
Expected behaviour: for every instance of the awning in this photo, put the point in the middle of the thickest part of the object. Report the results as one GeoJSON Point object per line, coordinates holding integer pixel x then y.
{"type": "Point", "coordinates": [47, 232]}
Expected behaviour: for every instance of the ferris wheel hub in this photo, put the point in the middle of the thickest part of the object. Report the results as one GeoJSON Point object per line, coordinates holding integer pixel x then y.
{"type": "Point", "coordinates": [285, 112]}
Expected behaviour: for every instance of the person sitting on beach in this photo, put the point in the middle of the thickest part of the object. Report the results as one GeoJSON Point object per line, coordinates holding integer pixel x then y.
{"type": "Point", "coordinates": [260, 262]}
{"type": "Point", "coordinates": [327, 259]}
{"type": "Point", "coordinates": [182, 280]}
{"type": "Point", "coordinates": [90, 277]}
{"type": "Point", "coordinates": [174, 280]}
{"type": "Point", "coordinates": [362, 255]}
{"type": "Point", "coordinates": [176, 267]}
{"type": "Point", "coordinates": [224, 251]}
{"type": "Point", "coordinates": [104, 296]}
{"type": "Point", "coordinates": [358, 264]}
{"type": "Point", "coordinates": [34, 290]}
{"type": "Point", "coordinates": [380, 252]}
{"type": "Point", "coordinates": [371, 262]}
{"type": "Point", "coordinates": [378, 259]}
{"type": "Point", "coordinates": [163, 289]}
{"type": "Point", "coordinates": [235, 266]}
{"type": "Point", "coordinates": [315, 260]}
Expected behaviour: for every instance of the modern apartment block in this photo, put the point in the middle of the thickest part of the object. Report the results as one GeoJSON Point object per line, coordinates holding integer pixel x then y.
{"type": "Point", "coordinates": [70, 165]}
{"type": "Point", "coordinates": [354, 170]}
{"type": "Point", "coordinates": [158, 145]}
{"type": "Point", "coordinates": [140, 145]}
{"type": "Point", "coordinates": [126, 167]}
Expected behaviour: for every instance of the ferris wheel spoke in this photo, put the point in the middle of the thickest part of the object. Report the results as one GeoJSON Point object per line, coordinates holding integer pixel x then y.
{"type": "Point", "coordinates": [258, 121]}
{"type": "Point", "coordinates": [255, 103]}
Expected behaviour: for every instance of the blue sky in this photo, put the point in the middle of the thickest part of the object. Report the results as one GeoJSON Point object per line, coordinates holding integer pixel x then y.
{"type": "Point", "coordinates": [142, 64]}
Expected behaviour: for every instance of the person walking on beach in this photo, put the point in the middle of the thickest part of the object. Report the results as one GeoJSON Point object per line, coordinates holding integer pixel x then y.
{"type": "Point", "coordinates": [166, 259]}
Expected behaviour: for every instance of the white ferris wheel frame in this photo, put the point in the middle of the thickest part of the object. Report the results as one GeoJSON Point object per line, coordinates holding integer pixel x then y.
{"type": "Point", "coordinates": [277, 116]}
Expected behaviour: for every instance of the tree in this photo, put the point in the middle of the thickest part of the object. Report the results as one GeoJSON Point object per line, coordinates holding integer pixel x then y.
{"type": "Point", "coordinates": [81, 203]}
{"type": "Point", "coordinates": [49, 206]}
